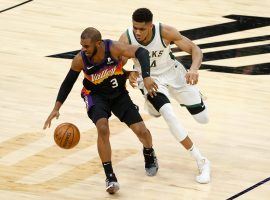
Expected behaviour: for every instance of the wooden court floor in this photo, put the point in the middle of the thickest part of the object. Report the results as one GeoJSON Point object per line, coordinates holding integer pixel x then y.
{"type": "Point", "coordinates": [234, 79]}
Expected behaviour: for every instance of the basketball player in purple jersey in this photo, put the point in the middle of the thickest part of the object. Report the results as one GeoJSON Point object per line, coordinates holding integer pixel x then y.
{"type": "Point", "coordinates": [104, 92]}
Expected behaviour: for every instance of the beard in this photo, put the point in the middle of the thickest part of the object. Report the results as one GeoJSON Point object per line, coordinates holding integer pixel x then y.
{"type": "Point", "coordinates": [142, 39]}
{"type": "Point", "coordinates": [93, 54]}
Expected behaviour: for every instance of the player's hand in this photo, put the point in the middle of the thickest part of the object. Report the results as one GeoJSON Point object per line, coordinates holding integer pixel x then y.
{"type": "Point", "coordinates": [150, 86]}
{"type": "Point", "coordinates": [192, 77]}
{"type": "Point", "coordinates": [133, 78]}
{"type": "Point", "coordinates": [54, 114]}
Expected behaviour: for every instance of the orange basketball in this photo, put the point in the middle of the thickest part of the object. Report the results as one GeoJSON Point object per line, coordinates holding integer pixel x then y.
{"type": "Point", "coordinates": [66, 135]}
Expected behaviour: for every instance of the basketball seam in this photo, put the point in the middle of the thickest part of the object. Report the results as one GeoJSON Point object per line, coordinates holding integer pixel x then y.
{"type": "Point", "coordinates": [64, 136]}
{"type": "Point", "coordinates": [73, 133]}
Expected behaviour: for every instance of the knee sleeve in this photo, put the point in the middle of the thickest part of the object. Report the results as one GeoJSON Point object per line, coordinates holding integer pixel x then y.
{"type": "Point", "coordinates": [202, 117]}
{"type": "Point", "coordinates": [158, 101]}
{"type": "Point", "coordinates": [175, 126]}
{"type": "Point", "coordinates": [150, 109]}
{"type": "Point", "coordinates": [199, 112]}
{"type": "Point", "coordinates": [154, 104]}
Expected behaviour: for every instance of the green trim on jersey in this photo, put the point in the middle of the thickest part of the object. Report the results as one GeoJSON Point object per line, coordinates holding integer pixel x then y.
{"type": "Point", "coordinates": [129, 40]}
{"type": "Point", "coordinates": [191, 106]}
{"type": "Point", "coordinates": [161, 36]}
{"type": "Point", "coordinates": [153, 36]}
{"type": "Point", "coordinates": [171, 55]}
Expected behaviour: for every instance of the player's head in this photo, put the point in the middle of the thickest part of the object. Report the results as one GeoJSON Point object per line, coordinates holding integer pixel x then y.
{"type": "Point", "coordinates": [142, 23]}
{"type": "Point", "coordinates": [90, 41]}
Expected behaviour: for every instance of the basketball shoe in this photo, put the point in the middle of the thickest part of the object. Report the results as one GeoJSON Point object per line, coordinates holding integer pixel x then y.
{"type": "Point", "coordinates": [204, 170]}
{"type": "Point", "coordinates": [151, 163]}
{"type": "Point", "coordinates": [112, 186]}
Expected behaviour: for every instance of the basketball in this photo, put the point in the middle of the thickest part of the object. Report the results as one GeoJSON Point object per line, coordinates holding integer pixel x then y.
{"type": "Point", "coordinates": [66, 135]}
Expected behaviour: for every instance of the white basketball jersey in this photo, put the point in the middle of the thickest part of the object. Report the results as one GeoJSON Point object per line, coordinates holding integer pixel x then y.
{"type": "Point", "coordinates": [159, 53]}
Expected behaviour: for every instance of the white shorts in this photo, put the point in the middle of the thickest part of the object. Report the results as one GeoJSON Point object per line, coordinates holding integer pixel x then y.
{"type": "Point", "coordinates": [173, 84]}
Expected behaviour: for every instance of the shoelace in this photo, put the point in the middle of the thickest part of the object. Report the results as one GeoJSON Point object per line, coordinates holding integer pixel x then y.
{"type": "Point", "coordinates": [111, 178]}
{"type": "Point", "coordinates": [149, 159]}
{"type": "Point", "coordinates": [200, 165]}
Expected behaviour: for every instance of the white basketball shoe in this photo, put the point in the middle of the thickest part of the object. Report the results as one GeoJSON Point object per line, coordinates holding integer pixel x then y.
{"type": "Point", "coordinates": [204, 170]}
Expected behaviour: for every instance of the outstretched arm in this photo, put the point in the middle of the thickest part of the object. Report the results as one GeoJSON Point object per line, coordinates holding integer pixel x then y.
{"type": "Point", "coordinates": [124, 39]}
{"type": "Point", "coordinates": [170, 34]}
{"type": "Point", "coordinates": [65, 89]}
{"type": "Point", "coordinates": [131, 75]}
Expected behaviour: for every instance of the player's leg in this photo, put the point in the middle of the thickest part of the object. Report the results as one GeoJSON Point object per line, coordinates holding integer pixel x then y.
{"type": "Point", "coordinates": [199, 112]}
{"type": "Point", "coordinates": [144, 135]}
{"type": "Point", "coordinates": [163, 105]}
{"type": "Point", "coordinates": [128, 113]}
{"type": "Point", "coordinates": [104, 150]}
{"type": "Point", "coordinates": [98, 111]}
{"type": "Point", "coordinates": [187, 95]}
{"type": "Point", "coordinates": [181, 135]}
{"type": "Point", "coordinates": [190, 97]}
{"type": "Point", "coordinates": [160, 105]}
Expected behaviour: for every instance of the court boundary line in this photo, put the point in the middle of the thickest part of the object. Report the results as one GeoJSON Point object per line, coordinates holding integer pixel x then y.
{"type": "Point", "coordinates": [15, 6]}
{"type": "Point", "coordinates": [249, 189]}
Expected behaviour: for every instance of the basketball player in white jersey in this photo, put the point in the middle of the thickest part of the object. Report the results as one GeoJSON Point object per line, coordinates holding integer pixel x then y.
{"type": "Point", "coordinates": [171, 77]}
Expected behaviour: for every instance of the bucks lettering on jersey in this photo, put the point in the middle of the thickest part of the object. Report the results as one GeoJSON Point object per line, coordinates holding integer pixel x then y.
{"type": "Point", "coordinates": [159, 53]}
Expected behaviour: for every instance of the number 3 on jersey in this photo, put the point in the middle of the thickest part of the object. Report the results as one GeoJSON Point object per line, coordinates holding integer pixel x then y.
{"type": "Point", "coordinates": [114, 83]}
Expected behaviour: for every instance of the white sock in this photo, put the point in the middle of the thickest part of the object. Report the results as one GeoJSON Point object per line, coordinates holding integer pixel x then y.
{"type": "Point", "coordinates": [195, 153]}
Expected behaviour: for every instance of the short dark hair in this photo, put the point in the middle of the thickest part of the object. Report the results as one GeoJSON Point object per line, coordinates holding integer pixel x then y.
{"type": "Point", "coordinates": [142, 15]}
{"type": "Point", "coordinates": [91, 33]}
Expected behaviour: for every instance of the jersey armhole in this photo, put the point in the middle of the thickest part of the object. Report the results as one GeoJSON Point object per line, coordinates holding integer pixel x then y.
{"type": "Point", "coordinates": [163, 43]}
{"type": "Point", "coordinates": [129, 40]}
{"type": "Point", "coordinates": [108, 52]}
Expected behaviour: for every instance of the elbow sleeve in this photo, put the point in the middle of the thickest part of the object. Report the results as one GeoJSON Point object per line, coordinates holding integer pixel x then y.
{"type": "Point", "coordinates": [143, 57]}
{"type": "Point", "coordinates": [67, 85]}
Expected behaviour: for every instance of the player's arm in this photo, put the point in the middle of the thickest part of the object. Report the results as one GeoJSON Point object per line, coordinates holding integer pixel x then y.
{"type": "Point", "coordinates": [65, 88]}
{"type": "Point", "coordinates": [124, 39]}
{"type": "Point", "coordinates": [71, 77]}
{"type": "Point", "coordinates": [131, 75]}
{"type": "Point", "coordinates": [120, 49]}
{"type": "Point", "coordinates": [170, 34]}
